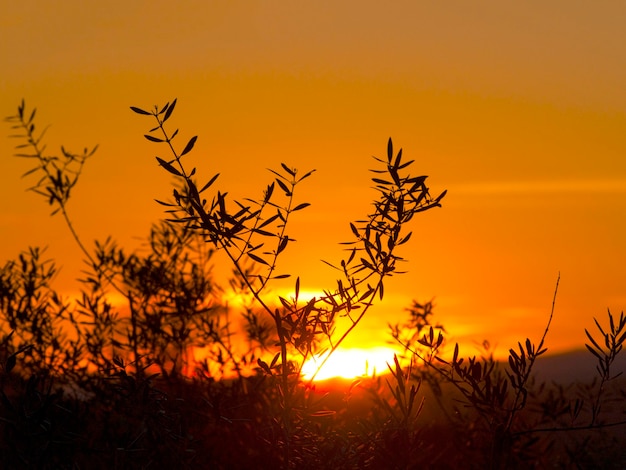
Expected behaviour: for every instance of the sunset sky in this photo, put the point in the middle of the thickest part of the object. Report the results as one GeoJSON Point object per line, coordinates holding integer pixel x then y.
{"type": "Point", "coordinates": [518, 109]}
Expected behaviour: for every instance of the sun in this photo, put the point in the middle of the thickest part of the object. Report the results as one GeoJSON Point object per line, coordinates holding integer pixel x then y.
{"type": "Point", "coordinates": [349, 363]}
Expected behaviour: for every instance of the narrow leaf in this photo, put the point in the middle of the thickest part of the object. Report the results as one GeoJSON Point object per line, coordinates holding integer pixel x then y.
{"type": "Point", "coordinates": [288, 170]}
{"type": "Point", "coordinates": [170, 108]}
{"type": "Point", "coordinates": [168, 167]}
{"type": "Point", "coordinates": [211, 181]}
{"type": "Point", "coordinates": [190, 145]}
{"type": "Point", "coordinates": [257, 259]}
{"type": "Point", "coordinates": [139, 110]}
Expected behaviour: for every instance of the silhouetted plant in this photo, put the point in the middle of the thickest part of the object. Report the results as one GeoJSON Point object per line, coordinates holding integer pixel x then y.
{"type": "Point", "coordinates": [255, 231]}
{"type": "Point", "coordinates": [495, 415]}
{"type": "Point", "coordinates": [92, 382]}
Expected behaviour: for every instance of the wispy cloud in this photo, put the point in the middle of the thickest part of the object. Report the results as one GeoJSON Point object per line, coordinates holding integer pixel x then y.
{"type": "Point", "coordinates": [598, 186]}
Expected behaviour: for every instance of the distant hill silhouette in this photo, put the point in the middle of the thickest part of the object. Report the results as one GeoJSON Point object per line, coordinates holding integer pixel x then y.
{"type": "Point", "coordinates": [572, 366]}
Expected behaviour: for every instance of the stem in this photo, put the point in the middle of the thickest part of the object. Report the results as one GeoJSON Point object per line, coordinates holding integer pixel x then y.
{"type": "Point", "coordinates": [516, 403]}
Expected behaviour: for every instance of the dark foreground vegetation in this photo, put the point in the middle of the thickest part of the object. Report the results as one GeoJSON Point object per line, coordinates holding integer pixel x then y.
{"type": "Point", "coordinates": [85, 383]}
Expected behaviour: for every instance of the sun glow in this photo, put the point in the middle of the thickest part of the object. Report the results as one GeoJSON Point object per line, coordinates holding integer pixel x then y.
{"type": "Point", "coordinates": [349, 363]}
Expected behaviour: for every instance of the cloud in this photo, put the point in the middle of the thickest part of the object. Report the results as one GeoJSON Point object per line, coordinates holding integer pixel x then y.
{"type": "Point", "coordinates": [597, 186]}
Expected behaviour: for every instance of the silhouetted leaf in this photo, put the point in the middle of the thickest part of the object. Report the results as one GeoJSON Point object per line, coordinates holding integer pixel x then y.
{"type": "Point", "coordinates": [301, 206]}
{"type": "Point", "coordinates": [189, 145]}
{"type": "Point", "coordinates": [288, 170]}
{"type": "Point", "coordinates": [355, 231]}
{"type": "Point", "coordinates": [264, 232]}
{"type": "Point", "coordinates": [297, 293]}
{"type": "Point", "coordinates": [284, 187]}
{"type": "Point", "coordinates": [592, 340]}
{"type": "Point", "coordinates": [163, 108]}
{"type": "Point", "coordinates": [165, 203]}
{"type": "Point", "coordinates": [168, 167]}
{"type": "Point", "coordinates": [285, 302]}
{"type": "Point", "coordinates": [282, 245]}
{"type": "Point", "coordinates": [170, 108]}
{"type": "Point", "coordinates": [306, 175]}
{"type": "Point", "coordinates": [593, 351]}
{"type": "Point", "coordinates": [263, 365]}
{"type": "Point", "coordinates": [396, 163]}
{"type": "Point", "coordinates": [153, 139]}
{"type": "Point", "coordinates": [211, 181]}
{"type": "Point", "coordinates": [276, 356]}
{"type": "Point", "coordinates": [405, 239]}
{"type": "Point", "coordinates": [268, 221]}
{"type": "Point", "coordinates": [139, 110]}
{"type": "Point", "coordinates": [257, 259]}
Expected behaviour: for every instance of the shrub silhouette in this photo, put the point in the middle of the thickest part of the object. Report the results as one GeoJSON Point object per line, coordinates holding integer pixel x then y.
{"type": "Point", "coordinates": [88, 383]}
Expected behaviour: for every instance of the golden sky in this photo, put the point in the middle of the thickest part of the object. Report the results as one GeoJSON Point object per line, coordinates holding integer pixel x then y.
{"type": "Point", "coordinates": [517, 108]}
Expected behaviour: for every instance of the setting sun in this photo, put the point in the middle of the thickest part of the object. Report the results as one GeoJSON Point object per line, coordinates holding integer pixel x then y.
{"type": "Point", "coordinates": [349, 363]}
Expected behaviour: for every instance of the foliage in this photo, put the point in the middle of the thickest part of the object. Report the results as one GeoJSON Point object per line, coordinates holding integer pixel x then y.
{"type": "Point", "coordinates": [95, 382]}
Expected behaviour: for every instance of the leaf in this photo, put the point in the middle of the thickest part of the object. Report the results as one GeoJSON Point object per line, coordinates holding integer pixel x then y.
{"type": "Point", "coordinates": [288, 170]}
{"type": "Point", "coordinates": [268, 221]}
{"type": "Point", "coordinates": [380, 181]}
{"type": "Point", "coordinates": [170, 108]}
{"type": "Point", "coordinates": [355, 231]}
{"type": "Point", "coordinates": [163, 108]}
{"type": "Point", "coordinates": [168, 167]}
{"type": "Point", "coordinates": [275, 359]}
{"type": "Point", "coordinates": [268, 193]}
{"type": "Point", "coordinates": [301, 206]}
{"type": "Point", "coordinates": [153, 139]}
{"type": "Point", "coordinates": [306, 175]}
{"type": "Point", "coordinates": [211, 181]}
{"type": "Point", "coordinates": [593, 351]}
{"type": "Point", "coordinates": [263, 365]}
{"type": "Point", "coordinates": [405, 239]}
{"type": "Point", "coordinates": [264, 233]}
{"type": "Point", "coordinates": [282, 245]}
{"type": "Point", "coordinates": [396, 164]}
{"type": "Point", "coordinates": [389, 150]}
{"type": "Point", "coordinates": [165, 203]}
{"type": "Point", "coordinates": [297, 288]}
{"type": "Point", "coordinates": [257, 259]}
{"type": "Point", "coordinates": [285, 302]}
{"type": "Point", "coordinates": [592, 340]}
{"type": "Point", "coordinates": [189, 145]}
{"type": "Point", "coordinates": [284, 187]}
{"type": "Point", "coordinates": [139, 110]}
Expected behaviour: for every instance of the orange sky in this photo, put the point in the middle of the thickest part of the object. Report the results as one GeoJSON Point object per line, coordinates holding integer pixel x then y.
{"type": "Point", "coordinates": [519, 110]}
